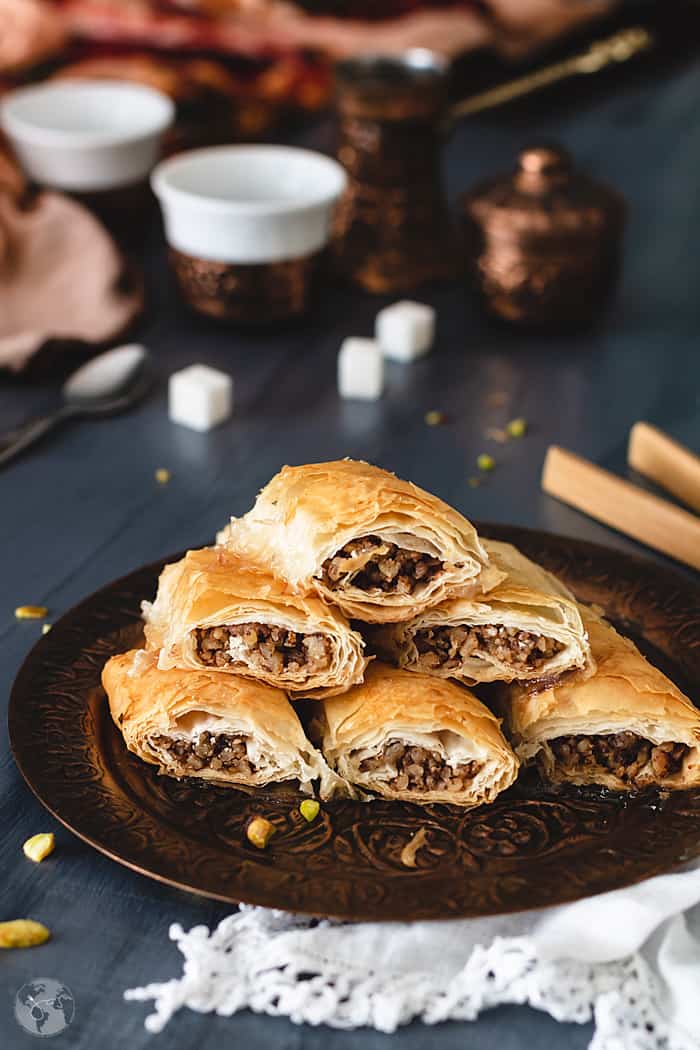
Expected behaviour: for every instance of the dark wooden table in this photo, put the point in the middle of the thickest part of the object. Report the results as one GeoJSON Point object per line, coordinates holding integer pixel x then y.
{"type": "Point", "coordinates": [85, 508]}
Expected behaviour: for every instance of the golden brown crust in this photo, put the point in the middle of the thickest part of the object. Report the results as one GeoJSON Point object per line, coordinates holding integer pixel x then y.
{"type": "Point", "coordinates": [529, 599]}
{"type": "Point", "coordinates": [392, 704]}
{"type": "Point", "coordinates": [626, 694]}
{"type": "Point", "coordinates": [147, 703]}
{"type": "Point", "coordinates": [216, 586]}
{"type": "Point", "coordinates": [306, 514]}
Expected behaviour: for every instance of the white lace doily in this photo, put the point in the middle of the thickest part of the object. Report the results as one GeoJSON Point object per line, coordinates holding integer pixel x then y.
{"type": "Point", "coordinates": [343, 975]}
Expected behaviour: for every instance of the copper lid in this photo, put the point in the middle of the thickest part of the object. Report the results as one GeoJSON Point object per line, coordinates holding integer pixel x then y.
{"type": "Point", "coordinates": [545, 197]}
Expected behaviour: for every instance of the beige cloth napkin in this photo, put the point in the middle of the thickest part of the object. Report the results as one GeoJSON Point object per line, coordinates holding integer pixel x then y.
{"type": "Point", "coordinates": [60, 274]}
{"type": "Point", "coordinates": [30, 31]}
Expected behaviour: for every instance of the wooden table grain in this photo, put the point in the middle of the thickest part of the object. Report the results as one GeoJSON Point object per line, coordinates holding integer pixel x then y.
{"type": "Point", "coordinates": [85, 507]}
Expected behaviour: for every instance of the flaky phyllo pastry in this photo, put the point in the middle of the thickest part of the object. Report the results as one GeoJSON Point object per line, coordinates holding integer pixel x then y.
{"type": "Point", "coordinates": [527, 627]}
{"type": "Point", "coordinates": [378, 547]}
{"type": "Point", "coordinates": [215, 611]}
{"type": "Point", "coordinates": [413, 737]}
{"type": "Point", "coordinates": [626, 727]}
{"type": "Point", "coordinates": [216, 727]}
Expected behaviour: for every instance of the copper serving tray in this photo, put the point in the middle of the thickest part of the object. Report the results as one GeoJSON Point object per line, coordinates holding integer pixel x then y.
{"type": "Point", "coordinates": [530, 848]}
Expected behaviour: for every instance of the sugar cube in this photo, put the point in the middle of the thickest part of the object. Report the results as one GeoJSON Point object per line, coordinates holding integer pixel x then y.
{"type": "Point", "coordinates": [405, 330]}
{"type": "Point", "coordinates": [200, 397]}
{"type": "Point", "coordinates": [360, 369]}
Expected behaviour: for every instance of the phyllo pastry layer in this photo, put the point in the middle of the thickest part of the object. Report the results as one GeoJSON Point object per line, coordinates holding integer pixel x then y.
{"type": "Point", "coordinates": [378, 547]}
{"type": "Point", "coordinates": [216, 611]}
{"type": "Point", "coordinates": [527, 627]}
{"type": "Point", "coordinates": [418, 738]}
{"type": "Point", "coordinates": [221, 728]}
{"type": "Point", "coordinates": [625, 727]}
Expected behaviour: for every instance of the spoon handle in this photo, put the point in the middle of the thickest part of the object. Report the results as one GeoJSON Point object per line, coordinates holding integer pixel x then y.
{"type": "Point", "coordinates": [617, 48]}
{"type": "Point", "coordinates": [26, 435]}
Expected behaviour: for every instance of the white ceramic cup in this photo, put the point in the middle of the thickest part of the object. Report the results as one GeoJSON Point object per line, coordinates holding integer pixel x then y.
{"type": "Point", "coordinates": [86, 136]}
{"type": "Point", "coordinates": [248, 204]}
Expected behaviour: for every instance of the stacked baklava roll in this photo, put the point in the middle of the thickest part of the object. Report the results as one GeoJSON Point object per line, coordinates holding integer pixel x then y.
{"type": "Point", "coordinates": [625, 727]}
{"type": "Point", "coordinates": [346, 586]}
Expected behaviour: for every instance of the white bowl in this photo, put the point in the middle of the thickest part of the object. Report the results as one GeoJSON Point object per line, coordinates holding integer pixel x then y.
{"type": "Point", "coordinates": [86, 135]}
{"type": "Point", "coordinates": [248, 204]}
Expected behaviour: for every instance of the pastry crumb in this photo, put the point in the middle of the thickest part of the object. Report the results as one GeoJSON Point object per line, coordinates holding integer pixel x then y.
{"type": "Point", "coordinates": [408, 853]}
{"type": "Point", "coordinates": [163, 476]}
{"type": "Point", "coordinates": [30, 612]}
{"type": "Point", "coordinates": [22, 933]}
{"type": "Point", "coordinates": [39, 846]}
{"type": "Point", "coordinates": [259, 832]}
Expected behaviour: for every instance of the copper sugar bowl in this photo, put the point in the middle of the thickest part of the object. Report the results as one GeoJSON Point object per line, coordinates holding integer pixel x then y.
{"type": "Point", "coordinates": [543, 245]}
{"type": "Point", "coordinates": [392, 230]}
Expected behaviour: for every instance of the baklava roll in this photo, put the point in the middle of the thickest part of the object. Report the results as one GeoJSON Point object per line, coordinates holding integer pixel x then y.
{"type": "Point", "coordinates": [418, 738]}
{"type": "Point", "coordinates": [378, 547]}
{"type": "Point", "coordinates": [215, 611]}
{"type": "Point", "coordinates": [626, 727]}
{"type": "Point", "coordinates": [528, 627]}
{"type": "Point", "coordinates": [222, 728]}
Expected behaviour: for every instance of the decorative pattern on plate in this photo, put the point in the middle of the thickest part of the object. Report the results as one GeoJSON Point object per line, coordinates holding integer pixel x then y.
{"type": "Point", "coordinates": [530, 848]}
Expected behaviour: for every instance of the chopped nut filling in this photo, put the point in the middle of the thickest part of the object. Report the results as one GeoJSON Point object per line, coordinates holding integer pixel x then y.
{"type": "Point", "coordinates": [262, 648]}
{"type": "Point", "coordinates": [370, 563]}
{"type": "Point", "coordinates": [208, 751]}
{"type": "Point", "coordinates": [418, 769]}
{"type": "Point", "coordinates": [626, 755]}
{"type": "Point", "coordinates": [446, 648]}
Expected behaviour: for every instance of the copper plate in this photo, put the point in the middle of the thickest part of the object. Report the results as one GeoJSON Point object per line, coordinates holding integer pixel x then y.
{"type": "Point", "coordinates": [531, 848]}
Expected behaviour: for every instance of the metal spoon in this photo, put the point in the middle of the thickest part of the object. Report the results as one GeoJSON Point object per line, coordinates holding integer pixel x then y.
{"type": "Point", "coordinates": [109, 383]}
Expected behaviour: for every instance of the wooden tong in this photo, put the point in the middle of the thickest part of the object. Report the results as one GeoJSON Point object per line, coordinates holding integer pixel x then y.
{"type": "Point", "coordinates": [616, 502]}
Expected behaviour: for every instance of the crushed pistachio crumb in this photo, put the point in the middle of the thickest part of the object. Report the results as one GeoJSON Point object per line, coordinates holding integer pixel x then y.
{"type": "Point", "coordinates": [485, 462]}
{"type": "Point", "coordinates": [22, 933]}
{"type": "Point", "coordinates": [45, 628]}
{"type": "Point", "coordinates": [162, 476]}
{"type": "Point", "coordinates": [39, 846]}
{"type": "Point", "coordinates": [474, 482]}
{"type": "Point", "coordinates": [31, 612]}
{"type": "Point", "coordinates": [259, 832]}
{"type": "Point", "coordinates": [517, 428]}
{"type": "Point", "coordinates": [310, 809]}
{"type": "Point", "coordinates": [435, 418]}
